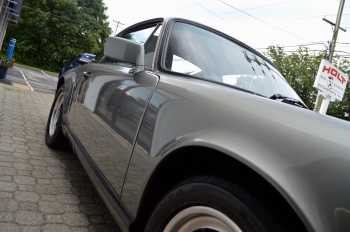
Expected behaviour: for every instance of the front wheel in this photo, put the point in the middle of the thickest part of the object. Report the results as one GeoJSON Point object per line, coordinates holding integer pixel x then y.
{"type": "Point", "coordinates": [54, 135]}
{"type": "Point", "coordinates": [214, 204]}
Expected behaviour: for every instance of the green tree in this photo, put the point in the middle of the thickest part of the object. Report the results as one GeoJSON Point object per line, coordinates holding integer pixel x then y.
{"type": "Point", "coordinates": [300, 69]}
{"type": "Point", "coordinates": [50, 31]}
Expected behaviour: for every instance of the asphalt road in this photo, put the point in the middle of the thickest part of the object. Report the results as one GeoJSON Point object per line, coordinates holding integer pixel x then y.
{"type": "Point", "coordinates": [35, 80]}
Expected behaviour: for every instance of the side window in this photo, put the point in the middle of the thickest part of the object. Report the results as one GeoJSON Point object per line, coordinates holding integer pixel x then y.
{"type": "Point", "coordinates": [151, 47]}
{"type": "Point", "coordinates": [140, 36]}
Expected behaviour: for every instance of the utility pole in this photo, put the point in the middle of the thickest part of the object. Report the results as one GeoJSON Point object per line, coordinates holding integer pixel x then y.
{"type": "Point", "coordinates": [118, 23]}
{"type": "Point", "coordinates": [321, 103]}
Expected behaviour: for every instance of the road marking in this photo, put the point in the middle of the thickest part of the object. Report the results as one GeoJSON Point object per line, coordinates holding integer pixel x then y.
{"type": "Point", "coordinates": [48, 75]}
{"type": "Point", "coordinates": [30, 77]}
{"type": "Point", "coordinates": [26, 81]}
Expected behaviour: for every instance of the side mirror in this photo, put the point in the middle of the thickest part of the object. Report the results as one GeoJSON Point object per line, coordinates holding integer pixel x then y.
{"type": "Point", "coordinates": [127, 51]}
{"type": "Point", "coordinates": [65, 62]}
{"type": "Point", "coordinates": [83, 61]}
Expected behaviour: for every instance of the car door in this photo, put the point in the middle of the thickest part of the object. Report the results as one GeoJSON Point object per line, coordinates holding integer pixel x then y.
{"type": "Point", "coordinates": [110, 104]}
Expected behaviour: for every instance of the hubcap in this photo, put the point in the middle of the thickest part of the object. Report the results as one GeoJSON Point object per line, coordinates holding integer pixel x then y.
{"type": "Point", "coordinates": [55, 114]}
{"type": "Point", "coordinates": [201, 219]}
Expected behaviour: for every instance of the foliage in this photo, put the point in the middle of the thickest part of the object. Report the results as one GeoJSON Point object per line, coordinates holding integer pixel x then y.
{"type": "Point", "coordinates": [7, 63]}
{"type": "Point", "coordinates": [50, 31]}
{"type": "Point", "coordinates": [300, 69]}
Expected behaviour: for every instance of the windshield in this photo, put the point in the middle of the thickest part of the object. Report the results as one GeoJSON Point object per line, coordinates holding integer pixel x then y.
{"type": "Point", "coordinates": [200, 53]}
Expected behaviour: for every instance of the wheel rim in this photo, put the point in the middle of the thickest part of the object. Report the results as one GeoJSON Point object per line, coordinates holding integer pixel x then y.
{"type": "Point", "coordinates": [56, 111]}
{"type": "Point", "coordinates": [201, 218]}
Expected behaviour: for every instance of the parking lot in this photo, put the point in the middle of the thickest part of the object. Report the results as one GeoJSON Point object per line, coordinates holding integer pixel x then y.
{"type": "Point", "coordinates": [41, 189]}
{"type": "Point", "coordinates": [32, 79]}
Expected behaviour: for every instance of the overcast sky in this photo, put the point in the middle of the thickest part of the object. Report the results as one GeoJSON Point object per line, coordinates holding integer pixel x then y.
{"type": "Point", "coordinates": [262, 23]}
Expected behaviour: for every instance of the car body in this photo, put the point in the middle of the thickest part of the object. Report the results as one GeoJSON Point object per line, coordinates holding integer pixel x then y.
{"type": "Point", "coordinates": [149, 118]}
{"type": "Point", "coordinates": [73, 62]}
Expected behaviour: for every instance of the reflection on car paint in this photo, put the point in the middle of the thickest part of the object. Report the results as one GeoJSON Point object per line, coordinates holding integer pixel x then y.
{"type": "Point", "coordinates": [109, 108]}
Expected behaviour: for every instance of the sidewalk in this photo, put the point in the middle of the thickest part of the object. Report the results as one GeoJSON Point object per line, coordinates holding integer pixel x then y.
{"type": "Point", "coordinates": [41, 189]}
{"type": "Point", "coordinates": [9, 82]}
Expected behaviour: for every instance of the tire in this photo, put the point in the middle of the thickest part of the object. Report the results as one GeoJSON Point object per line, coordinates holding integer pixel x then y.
{"type": "Point", "coordinates": [54, 136]}
{"type": "Point", "coordinates": [209, 203]}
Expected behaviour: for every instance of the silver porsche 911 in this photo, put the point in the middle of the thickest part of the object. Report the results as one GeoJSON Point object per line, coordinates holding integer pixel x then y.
{"type": "Point", "coordinates": [184, 128]}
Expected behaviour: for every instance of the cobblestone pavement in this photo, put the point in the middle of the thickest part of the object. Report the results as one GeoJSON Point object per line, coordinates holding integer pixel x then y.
{"type": "Point", "coordinates": [42, 189]}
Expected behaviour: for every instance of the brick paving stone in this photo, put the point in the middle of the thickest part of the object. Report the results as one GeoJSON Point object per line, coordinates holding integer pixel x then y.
{"type": "Point", "coordinates": [54, 218]}
{"type": "Point", "coordinates": [92, 209]}
{"type": "Point", "coordinates": [6, 195]}
{"type": "Point", "coordinates": [8, 226]}
{"type": "Point", "coordinates": [45, 197]}
{"type": "Point", "coordinates": [23, 173]}
{"type": "Point", "coordinates": [5, 217]}
{"type": "Point", "coordinates": [56, 170]}
{"type": "Point", "coordinates": [78, 184]}
{"type": "Point", "coordinates": [6, 158]}
{"type": "Point", "coordinates": [43, 181]}
{"type": "Point", "coordinates": [97, 220]}
{"type": "Point", "coordinates": [23, 166]}
{"type": "Point", "coordinates": [104, 228]}
{"type": "Point", "coordinates": [83, 191]}
{"type": "Point", "coordinates": [42, 189]}
{"type": "Point", "coordinates": [27, 188]}
{"type": "Point", "coordinates": [29, 218]}
{"type": "Point", "coordinates": [29, 229]}
{"type": "Point", "coordinates": [31, 206]}
{"type": "Point", "coordinates": [87, 200]}
{"type": "Point", "coordinates": [55, 207]}
{"type": "Point", "coordinates": [68, 199]}
{"type": "Point", "coordinates": [7, 186]}
{"type": "Point", "coordinates": [24, 180]}
{"type": "Point", "coordinates": [27, 196]}
{"type": "Point", "coordinates": [8, 171]}
{"type": "Point", "coordinates": [61, 183]}
{"type": "Point", "coordinates": [6, 178]}
{"type": "Point", "coordinates": [8, 205]}
{"type": "Point", "coordinates": [75, 219]}
{"type": "Point", "coordinates": [56, 228]}
{"type": "Point", "coordinates": [40, 168]}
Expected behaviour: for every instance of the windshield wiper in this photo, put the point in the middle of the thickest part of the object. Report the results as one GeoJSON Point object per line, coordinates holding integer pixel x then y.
{"type": "Point", "coordinates": [289, 100]}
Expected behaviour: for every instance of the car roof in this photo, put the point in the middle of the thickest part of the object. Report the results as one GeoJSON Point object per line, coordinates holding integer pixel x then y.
{"type": "Point", "coordinates": [89, 54]}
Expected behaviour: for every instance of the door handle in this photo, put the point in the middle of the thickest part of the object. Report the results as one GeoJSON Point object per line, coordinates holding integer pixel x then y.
{"type": "Point", "coordinates": [86, 74]}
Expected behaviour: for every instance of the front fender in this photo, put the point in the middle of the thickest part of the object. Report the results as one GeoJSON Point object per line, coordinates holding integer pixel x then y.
{"type": "Point", "coordinates": [296, 150]}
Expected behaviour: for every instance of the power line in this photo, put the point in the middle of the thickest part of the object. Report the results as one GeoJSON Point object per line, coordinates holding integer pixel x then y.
{"type": "Point", "coordinates": [316, 16]}
{"type": "Point", "coordinates": [260, 7]}
{"type": "Point", "coordinates": [297, 45]}
{"type": "Point", "coordinates": [249, 8]}
{"type": "Point", "coordinates": [264, 21]}
{"type": "Point", "coordinates": [209, 10]}
{"type": "Point", "coordinates": [52, 14]}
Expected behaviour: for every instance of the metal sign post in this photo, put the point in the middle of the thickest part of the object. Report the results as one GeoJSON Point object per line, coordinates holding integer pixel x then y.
{"type": "Point", "coordinates": [322, 102]}
{"type": "Point", "coordinates": [9, 52]}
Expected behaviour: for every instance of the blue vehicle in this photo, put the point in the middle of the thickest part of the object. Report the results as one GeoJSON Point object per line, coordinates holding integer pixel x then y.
{"type": "Point", "coordinates": [73, 62]}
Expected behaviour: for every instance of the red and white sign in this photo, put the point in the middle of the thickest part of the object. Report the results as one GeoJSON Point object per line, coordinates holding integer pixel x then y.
{"type": "Point", "coordinates": [331, 81]}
